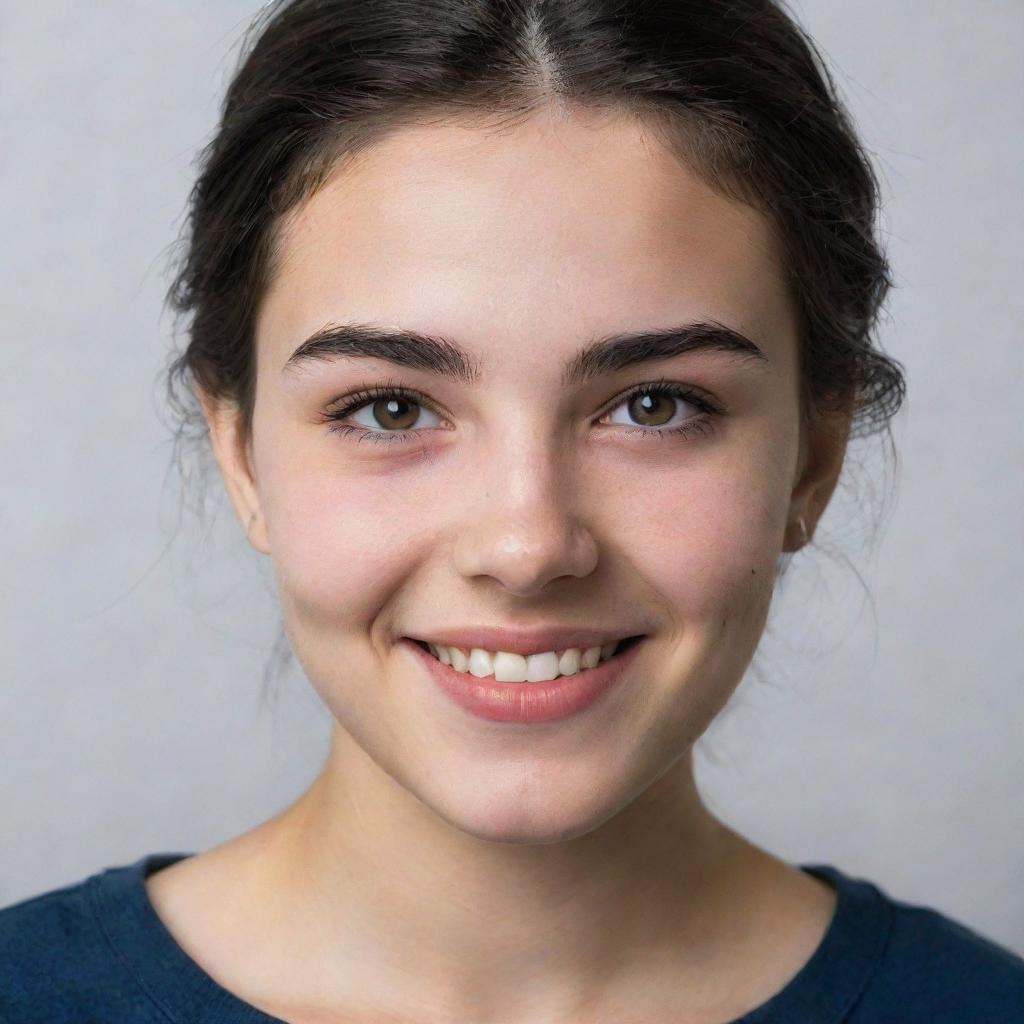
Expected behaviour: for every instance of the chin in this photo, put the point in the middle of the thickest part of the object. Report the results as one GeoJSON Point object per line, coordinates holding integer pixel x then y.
{"type": "Point", "coordinates": [527, 809]}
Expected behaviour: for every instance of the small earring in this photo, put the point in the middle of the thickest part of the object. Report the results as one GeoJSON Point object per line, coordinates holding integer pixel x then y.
{"type": "Point", "coordinates": [803, 528]}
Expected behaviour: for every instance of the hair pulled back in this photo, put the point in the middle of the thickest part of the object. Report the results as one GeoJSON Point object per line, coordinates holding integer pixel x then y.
{"type": "Point", "coordinates": [733, 87]}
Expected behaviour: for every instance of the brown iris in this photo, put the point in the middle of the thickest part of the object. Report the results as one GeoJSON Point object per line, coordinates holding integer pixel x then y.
{"type": "Point", "coordinates": [644, 408]}
{"type": "Point", "coordinates": [402, 411]}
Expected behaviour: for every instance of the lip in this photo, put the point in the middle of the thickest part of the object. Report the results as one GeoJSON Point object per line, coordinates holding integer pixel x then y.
{"type": "Point", "coordinates": [525, 641]}
{"type": "Point", "coordinates": [530, 703]}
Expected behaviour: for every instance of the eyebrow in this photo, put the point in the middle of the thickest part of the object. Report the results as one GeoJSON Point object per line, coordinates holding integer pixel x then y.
{"type": "Point", "coordinates": [446, 358]}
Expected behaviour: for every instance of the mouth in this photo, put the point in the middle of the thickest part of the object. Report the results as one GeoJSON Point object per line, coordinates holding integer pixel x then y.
{"type": "Point", "coordinates": [531, 690]}
{"type": "Point", "coordinates": [510, 668]}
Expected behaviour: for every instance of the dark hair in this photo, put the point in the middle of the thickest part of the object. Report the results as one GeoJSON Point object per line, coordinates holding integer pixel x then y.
{"type": "Point", "coordinates": [733, 87]}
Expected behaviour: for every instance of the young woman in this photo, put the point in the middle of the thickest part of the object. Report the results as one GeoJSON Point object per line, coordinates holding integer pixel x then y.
{"type": "Point", "coordinates": [529, 337]}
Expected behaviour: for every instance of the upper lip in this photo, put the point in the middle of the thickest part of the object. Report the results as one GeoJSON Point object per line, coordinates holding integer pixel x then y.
{"type": "Point", "coordinates": [522, 641]}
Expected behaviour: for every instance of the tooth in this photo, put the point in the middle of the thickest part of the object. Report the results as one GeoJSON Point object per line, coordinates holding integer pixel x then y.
{"type": "Point", "coordinates": [514, 668]}
{"type": "Point", "coordinates": [541, 667]}
{"type": "Point", "coordinates": [509, 668]}
{"type": "Point", "coordinates": [569, 662]}
{"type": "Point", "coordinates": [480, 663]}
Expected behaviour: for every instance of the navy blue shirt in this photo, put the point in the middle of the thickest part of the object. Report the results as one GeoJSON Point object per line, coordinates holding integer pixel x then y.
{"type": "Point", "coordinates": [96, 952]}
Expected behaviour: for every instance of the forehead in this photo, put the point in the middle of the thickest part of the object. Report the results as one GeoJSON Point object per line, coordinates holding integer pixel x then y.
{"type": "Point", "coordinates": [557, 227]}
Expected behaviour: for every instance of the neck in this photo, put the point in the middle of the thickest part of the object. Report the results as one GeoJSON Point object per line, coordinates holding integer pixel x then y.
{"type": "Point", "coordinates": [379, 893]}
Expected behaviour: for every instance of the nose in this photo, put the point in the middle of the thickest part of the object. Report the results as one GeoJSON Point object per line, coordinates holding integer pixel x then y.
{"type": "Point", "coordinates": [521, 523]}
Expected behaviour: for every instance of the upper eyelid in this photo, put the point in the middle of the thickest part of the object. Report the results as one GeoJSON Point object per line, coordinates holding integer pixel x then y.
{"type": "Point", "coordinates": [664, 383]}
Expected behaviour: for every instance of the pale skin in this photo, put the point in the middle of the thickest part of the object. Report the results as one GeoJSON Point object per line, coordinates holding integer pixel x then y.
{"type": "Point", "coordinates": [442, 869]}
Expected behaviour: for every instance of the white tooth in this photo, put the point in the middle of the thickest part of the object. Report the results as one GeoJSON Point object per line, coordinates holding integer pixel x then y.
{"type": "Point", "coordinates": [541, 667]}
{"type": "Point", "coordinates": [569, 662]}
{"type": "Point", "coordinates": [480, 662]}
{"type": "Point", "coordinates": [509, 668]}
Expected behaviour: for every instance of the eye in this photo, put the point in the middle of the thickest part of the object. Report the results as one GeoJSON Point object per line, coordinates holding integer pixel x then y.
{"type": "Point", "coordinates": [397, 410]}
{"type": "Point", "coordinates": [663, 408]}
{"type": "Point", "coordinates": [389, 413]}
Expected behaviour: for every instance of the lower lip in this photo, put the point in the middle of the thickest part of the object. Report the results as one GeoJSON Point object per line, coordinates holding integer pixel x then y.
{"type": "Point", "coordinates": [527, 702]}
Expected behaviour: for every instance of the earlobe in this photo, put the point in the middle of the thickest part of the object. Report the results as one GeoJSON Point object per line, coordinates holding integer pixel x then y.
{"type": "Point", "coordinates": [231, 452]}
{"type": "Point", "coordinates": [798, 533]}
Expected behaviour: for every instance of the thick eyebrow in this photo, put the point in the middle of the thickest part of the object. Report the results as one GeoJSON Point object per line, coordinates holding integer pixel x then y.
{"type": "Point", "coordinates": [446, 358]}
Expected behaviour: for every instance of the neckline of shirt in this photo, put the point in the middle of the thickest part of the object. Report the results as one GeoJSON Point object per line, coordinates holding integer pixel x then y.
{"type": "Point", "coordinates": [822, 990]}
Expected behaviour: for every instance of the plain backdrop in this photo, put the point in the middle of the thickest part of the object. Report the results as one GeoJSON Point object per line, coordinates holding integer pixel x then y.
{"type": "Point", "coordinates": [881, 728]}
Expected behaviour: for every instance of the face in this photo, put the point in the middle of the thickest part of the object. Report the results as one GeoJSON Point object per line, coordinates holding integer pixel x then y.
{"type": "Point", "coordinates": [519, 499]}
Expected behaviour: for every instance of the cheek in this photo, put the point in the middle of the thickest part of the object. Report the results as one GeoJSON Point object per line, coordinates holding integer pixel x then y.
{"type": "Point", "coordinates": [339, 543]}
{"type": "Point", "coordinates": [719, 551]}
{"type": "Point", "coordinates": [711, 538]}
{"type": "Point", "coordinates": [710, 551]}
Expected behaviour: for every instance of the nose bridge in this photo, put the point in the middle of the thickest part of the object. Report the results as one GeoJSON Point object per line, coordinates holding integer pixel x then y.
{"type": "Point", "coordinates": [521, 523]}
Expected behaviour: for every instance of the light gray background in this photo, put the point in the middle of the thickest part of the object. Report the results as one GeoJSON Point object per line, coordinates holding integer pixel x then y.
{"type": "Point", "coordinates": [887, 739]}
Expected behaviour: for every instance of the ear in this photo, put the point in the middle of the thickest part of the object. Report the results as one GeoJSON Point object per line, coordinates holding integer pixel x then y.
{"type": "Point", "coordinates": [233, 453]}
{"type": "Point", "coordinates": [822, 449]}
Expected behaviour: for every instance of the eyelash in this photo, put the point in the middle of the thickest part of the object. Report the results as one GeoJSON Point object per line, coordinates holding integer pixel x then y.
{"type": "Point", "coordinates": [697, 426]}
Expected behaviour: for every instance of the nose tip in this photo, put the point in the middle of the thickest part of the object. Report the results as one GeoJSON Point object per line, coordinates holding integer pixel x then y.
{"type": "Point", "coordinates": [525, 566]}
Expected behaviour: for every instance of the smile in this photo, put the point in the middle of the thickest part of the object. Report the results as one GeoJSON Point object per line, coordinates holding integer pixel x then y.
{"type": "Point", "coordinates": [506, 667]}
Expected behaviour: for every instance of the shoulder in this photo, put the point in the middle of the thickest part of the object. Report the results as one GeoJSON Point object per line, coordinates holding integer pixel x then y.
{"type": "Point", "coordinates": [48, 945]}
{"type": "Point", "coordinates": [935, 969]}
{"type": "Point", "coordinates": [57, 962]}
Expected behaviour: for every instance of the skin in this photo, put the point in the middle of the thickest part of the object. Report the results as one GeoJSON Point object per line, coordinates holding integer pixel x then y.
{"type": "Point", "coordinates": [441, 868]}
